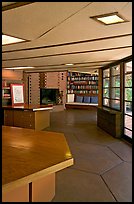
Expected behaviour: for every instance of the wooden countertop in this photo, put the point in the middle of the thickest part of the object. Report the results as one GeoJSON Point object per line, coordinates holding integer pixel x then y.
{"type": "Point", "coordinates": [28, 154]}
{"type": "Point", "coordinates": [29, 107]}
{"type": "Point", "coordinates": [109, 110]}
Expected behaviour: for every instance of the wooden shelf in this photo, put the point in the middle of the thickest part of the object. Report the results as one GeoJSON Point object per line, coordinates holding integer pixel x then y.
{"type": "Point", "coordinates": [6, 95]}
{"type": "Point", "coordinates": [81, 83]}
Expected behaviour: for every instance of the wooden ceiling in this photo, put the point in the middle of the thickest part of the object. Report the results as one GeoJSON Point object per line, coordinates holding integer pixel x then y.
{"type": "Point", "coordinates": [57, 33]}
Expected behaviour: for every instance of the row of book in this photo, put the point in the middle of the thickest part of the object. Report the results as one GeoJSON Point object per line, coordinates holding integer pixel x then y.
{"type": "Point", "coordinates": [86, 87]}
{"type": "Point", "coordinates": [85, 78]}
{"type": "Point", "coordinates": [82, 91]}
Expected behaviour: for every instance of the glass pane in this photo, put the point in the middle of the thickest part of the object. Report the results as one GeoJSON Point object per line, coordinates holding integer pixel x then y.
{"type": "Point", "coordinates": [128, 132]}
{"type": "Point", "coordinates": [115, 70]}
{"type": "Point", "coordinates": [128, 122]}
{"type": "Point", "coordinates": [128, 80]}
{"type": "Point", "coordinates": [106, 73]}
{"type": "Point", "coordinates": [106, 93]}
{"type": "Point", "coordinates": [115, 93]}
{"type": "Point", "coordinates": [106, 101]}
{"type": "Point", "coordinates": [128, 108]}
{"type": "Point", "coordinates": [115, 104]}
{"type": "Point", "coordinates": [128, 94]}
{"type": "Point", "coordinates": [106, 82]}
{"type": "Point", "coordinates": [128, 67]}
{"type": "Point", "coordinates": [128, 97]}
{"type": "Point", "coordinates": [115, 81]}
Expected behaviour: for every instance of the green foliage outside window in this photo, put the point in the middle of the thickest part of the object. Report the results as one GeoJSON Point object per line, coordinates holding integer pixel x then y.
{"type": "Point", "coordinates": [129, 90]}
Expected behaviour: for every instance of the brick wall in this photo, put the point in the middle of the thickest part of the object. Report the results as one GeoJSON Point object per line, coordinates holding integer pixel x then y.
{"type": "Point", "coordinates": [32, 88]}
{"type": "Point", "coordinates": [62, 84]}
{"type": "Point", "coordinates": [35, 81]}
{"type": "Point", "coordinates": [57, 80]}
{"type": "Point", "coordinates": [12, 74]}
{"type": "Point", "coordinates": [52, 80]}
{"type": "Point", "coordinates": [25, 79]}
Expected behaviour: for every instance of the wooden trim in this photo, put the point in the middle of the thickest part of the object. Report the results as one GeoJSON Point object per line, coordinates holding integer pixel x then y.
{"type": "Point", "coordinates": [15, 5]}
{"type": "Point", "coordinates": [75, 64]}
{"type": "Point", "coordinates": [100, 90]}
{"type": "Point", "coordinates": [69, 53]}
{"type": "Point", "coordinates": [126, 59]}
{"type": "Point", "coordinates": [121, 86]}
{"type": "Point", "coordinates": [30, 192]}
{"type": "Point", "coordinates": [69, 43]}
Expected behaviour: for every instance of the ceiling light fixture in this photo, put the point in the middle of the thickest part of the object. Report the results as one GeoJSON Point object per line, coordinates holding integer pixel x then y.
{"type": "Point", "coordinates": [110, 18]}
{"type": "Point", "coordinates": [19, 68]}
{"type": "Point", "coordinates": [69, 64]}
{"type": "Point", "coordinates": [6, 39]}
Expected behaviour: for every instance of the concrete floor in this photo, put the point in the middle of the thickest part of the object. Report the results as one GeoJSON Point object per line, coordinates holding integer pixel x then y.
{"type": "Point", "coordinates": [102, 170]}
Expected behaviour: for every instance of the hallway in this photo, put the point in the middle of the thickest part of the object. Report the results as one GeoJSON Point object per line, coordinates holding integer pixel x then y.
{"type": "Point", "coordinates": [102, 170]}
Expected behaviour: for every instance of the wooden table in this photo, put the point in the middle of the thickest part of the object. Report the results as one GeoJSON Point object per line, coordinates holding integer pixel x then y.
{"type": "Point", "coordinates": [28, 116]}
{"type": "Point", "coordinates": [30, 160]}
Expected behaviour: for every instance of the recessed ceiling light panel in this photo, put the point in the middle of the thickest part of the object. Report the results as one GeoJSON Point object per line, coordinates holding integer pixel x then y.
{"type": "Point", "coordinates": [69, 64]}
{"type": "Point", "coordinates": [110, 18]}
{"type": "Point", "coordinates": [19, 68]}
{"type": "Point", "coordinates": [6, 39]}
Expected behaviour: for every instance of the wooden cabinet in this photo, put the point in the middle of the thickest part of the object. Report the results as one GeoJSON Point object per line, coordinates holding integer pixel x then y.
{"type": "Point", "coordinates": [27, 118]}
{"type": "Point", "coordinates": [19, 118]}
{"type": "Point", "coordinates": [110, 121]}
{"type": "Point", "coordinates": [9, 117]}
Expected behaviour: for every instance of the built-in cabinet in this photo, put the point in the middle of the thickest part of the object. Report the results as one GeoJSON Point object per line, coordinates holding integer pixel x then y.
{"type": "Point", "coordinates": [27, 117]}
{"type": "Point", "coordinates": [6, 91]}
{"type": "Point", "coordinates": [81, 84]}
{"type": "Point", "coordinates": [110, 121]}
{"type": "Point", "coordinates": [6, 95]}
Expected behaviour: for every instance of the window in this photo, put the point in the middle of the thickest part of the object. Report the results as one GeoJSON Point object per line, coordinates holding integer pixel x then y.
{"type": "Point", "coordinates": [106, 85]}
{"type": "Point", "coordinates": [111, 87]}
{"type": "Point", "coordinates": [117, 92]}
{"type": "Point", "coordinates": [128, 99]}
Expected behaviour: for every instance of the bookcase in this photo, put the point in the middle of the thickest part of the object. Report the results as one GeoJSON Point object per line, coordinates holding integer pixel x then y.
{"type": "Point", "coordinates": [82, 84]}
{"type": "Point", "coordinates": [6, 91]}
{"type": "Point", "coordinates": [6, 94]}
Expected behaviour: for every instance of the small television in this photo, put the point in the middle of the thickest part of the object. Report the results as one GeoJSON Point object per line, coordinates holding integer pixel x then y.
{"type": "Point", "coordinates": [49, 96]}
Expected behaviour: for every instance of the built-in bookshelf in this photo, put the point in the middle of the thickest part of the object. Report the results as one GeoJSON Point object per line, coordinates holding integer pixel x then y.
{"type": "Point", "coordinates": [6, 95]}
{"type": "Point", "coordinates": [82, 83]}
{"type": "Point", "coordinates": [6, 91]}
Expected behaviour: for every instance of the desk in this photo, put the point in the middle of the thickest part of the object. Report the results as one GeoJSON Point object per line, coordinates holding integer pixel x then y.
{"type": "Point", "coordinates": [30, 160]}
{"type": "Point", "coordinates": [28, 116]}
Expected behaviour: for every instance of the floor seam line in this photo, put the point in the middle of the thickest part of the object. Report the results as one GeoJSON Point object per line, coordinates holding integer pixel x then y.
{"type": "Point", "coordinates": [108, 188]}
{"type": "Point", "coordinates": [111, 168]}
{"type": "Point", "coordinates": [115, 153]}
